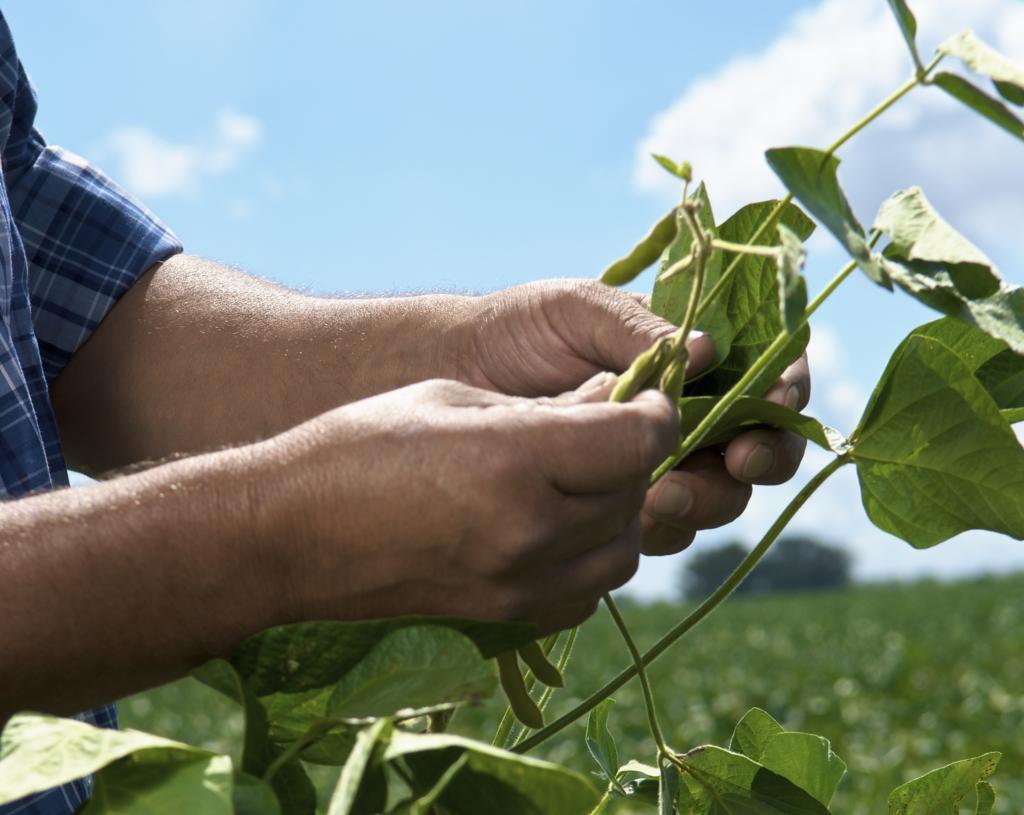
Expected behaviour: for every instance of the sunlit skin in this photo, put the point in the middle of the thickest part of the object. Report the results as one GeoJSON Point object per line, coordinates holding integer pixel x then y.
{"type": "Point", "coordinates": [313, 478]}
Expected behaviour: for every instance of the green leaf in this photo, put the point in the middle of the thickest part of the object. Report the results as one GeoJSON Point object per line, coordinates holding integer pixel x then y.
{"type": "Point", "coordinates": [644, 254]}
{"type": "Point", "coordinates": [682, 170]}
{"type": "Point", "coordinates": [935, 264]}
{"type": "Point", "coordinates": [746, 318]}
{"type": "Point", "coordinates": [748, 413]}
{"type": "Point", "coordinates": [601, 743]}
{"type": "Point", "coordinates": [346, 792]}
{"type": "Point", "coordinates": [254, 796]}
{"type": "Point", "coordinates": [979, 101]}
{"type": "Point", "coordinates": [986, 798]}
{"type": "Point", "coordinates": [908, 27]}
{"type": "Point", "coordinates": [811, 176]}
{"type": "Point", "coordinates": [753, 732]}
{"type": "Point", "coordinates": [290, 783]}
{"type": "Point", "coordinates": [722, 782]}
{"type": "Point", "coordinates": [934, 456]}
{"type": "Point", "coordinates": [943, 789]}
{"type": "Point", "coordinates": [985, 60]}
{"type": "Point", "coordinates": [412, 668]}
{"type": "Point", "coordinates": [149, 783]}
{"type": "Point", "coordinates": [668, 789]}
{"type": "Point", "coordinates": [802, 758]}
{"type": "Point", "coordinates": [308, 656]}
{"type": "Point", "coordinates": [670, 297]}
{"type": "Point", "coordinates": [638, 782]}
{"type": "Point", "coordinates": [38, 752]}
{"type": "Point", "coordinates": [1014, 415]}
{"type": "Point", "coordinates": [293, 716]}
{"type": "Point", "coordinates": [492, 781]}
{"type": "Point", "coordinates": [806, 760]}
{"type": "Point", "coordinates": [999, 369]}
{"type": "Point", "coordinates": [792, 286]}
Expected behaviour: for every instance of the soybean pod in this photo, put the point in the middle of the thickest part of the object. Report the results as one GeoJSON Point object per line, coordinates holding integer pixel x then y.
{"type": "Point", "coordinates": [519, 699]}
{"type": "Point", "coordinates": [536, 660]}
{"type": "Point", "coordinates": [645, 253]}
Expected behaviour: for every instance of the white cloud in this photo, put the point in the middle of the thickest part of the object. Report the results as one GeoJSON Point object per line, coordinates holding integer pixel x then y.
{"type": "Point", "coordinates": [831, 65]}
{"type": "Point", "coordinates": [151, 166]}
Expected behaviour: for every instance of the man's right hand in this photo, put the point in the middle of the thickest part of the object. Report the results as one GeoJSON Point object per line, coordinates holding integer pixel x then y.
{"type": "Point", "coordinates": [441, 498]}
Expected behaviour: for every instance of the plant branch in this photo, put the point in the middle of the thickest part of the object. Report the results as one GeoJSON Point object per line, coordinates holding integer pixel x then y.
{"type": "Point", "coordinates": [745, 248]}
{"type": "Point", "coordinates": [696, 616]}
{"type": "Point", "coordinates": [638, 666]}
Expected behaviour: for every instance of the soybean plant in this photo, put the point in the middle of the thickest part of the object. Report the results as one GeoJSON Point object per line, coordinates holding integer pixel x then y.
{"type": "Point", "coordinates": [934, 451]}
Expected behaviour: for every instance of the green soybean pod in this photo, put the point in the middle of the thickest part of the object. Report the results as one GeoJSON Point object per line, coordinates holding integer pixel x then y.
{"type": "Point", "coordinates": [536, 660]}
{"type": "Point", "coordinates": [519, 699]}
{"type": "Point", "coordinates": [645, 253]}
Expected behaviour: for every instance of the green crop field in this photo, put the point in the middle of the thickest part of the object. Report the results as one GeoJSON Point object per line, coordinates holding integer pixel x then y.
{"type": "Point", "coordinates": [902, 678]}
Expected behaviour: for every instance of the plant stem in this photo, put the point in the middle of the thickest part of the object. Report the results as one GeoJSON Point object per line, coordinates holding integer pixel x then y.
{"type": "Point", "coordinates": [603, 802]}
{"type": "Point", "coordinates": [638, 666]}
{"type": "Point", "coordinates": [696, 616]}
{"type": "Point", "coordinates": [745, 248]}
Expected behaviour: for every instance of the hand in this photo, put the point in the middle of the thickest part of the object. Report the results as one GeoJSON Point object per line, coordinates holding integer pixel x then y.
{"type": "Point", "coordinates": [546, 337]}
{"type": "Point", "coordinates": [441, 498]}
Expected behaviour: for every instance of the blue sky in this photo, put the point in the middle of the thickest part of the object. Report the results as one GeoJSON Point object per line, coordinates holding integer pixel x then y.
{"type": "Point", "coordinates": [401, 146]}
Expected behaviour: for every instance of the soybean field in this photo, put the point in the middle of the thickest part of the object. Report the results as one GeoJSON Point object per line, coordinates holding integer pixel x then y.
{"type": "Point", "coordinates": [901, 677]}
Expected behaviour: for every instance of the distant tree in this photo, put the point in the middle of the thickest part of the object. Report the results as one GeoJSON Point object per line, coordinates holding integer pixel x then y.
{"type": "Point", "coordinates": [707, 568]}
{"type": "Point", "coordinates": [795, 563]}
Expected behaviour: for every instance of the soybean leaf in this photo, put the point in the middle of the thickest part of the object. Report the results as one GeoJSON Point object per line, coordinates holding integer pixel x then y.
{"type": "Point", "coordinates": [749, 412]}
{"type": "Point", "coordinates": [414, 667]}
{"type": "Point", "coordinates": [935, 264]}
{"type": "Point", "coordinates": [792, 286]}
{"type": "Point", "coordinates": [979, 101]}
{"type": "Point", "coordinates": [753, 732]}
{"type": "Point", "coordinates": [722, 782]}
{"type": "Point", "coordinates": [303, 716]}
{"type": "Point", "coordinates": [306, 656]}
{"type": "Point", "coordinates": [986, 798]}
{"type": "Point", "coordinates": [343, 800]}
{"type": "Point", "coordinates": [985, 60]}
{"type": "Point", "coordinates": [638, 782]}
{"type": "Point", "coordinates": [943, 789]}
{"type": "Point", "coordinates": [146, 782]}
{"type": "Point", "coordinates": [934, 456]}
{"type": "Point", "coordinates": [999, 369]}
{"type": "Point", "coordinates": [908, 27]}
{"type": "Point", "coordinates": [810, 175]}
{"type": "Point", "coordinates": [38, 752]}
{"type": "Point", "coordinates": [746, 318]}
{"type": "Point", "coordinates": [601, 743]}
{"type": "Point", "coordinates": [254, 796]}
{"type": "Point", "coordinates": [491, 780]}
{"type": "Point", "coordinates": [670, 297]}
{"type": "Point", "coordinates": [806, 760]}
{"type": "Point", "coordinates": [290, 783]}
{"type": "Point", "coordinates": [644, 254]}
{"type": "Point", "coordinates": [681, 170]}
{"type": "Point", "coordinates": [668, 789]}
{"type": "Point", "coordinates": [1014, 415]}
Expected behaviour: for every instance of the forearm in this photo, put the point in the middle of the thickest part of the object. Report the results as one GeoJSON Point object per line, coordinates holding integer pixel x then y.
{"type": "Point", "coordinates": [197, 356]}
{"type": "Point", "coordinates": [115, 587]}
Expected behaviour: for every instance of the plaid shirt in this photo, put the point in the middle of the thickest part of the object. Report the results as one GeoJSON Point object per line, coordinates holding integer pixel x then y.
{"type": "Point", "coordinates": [71, 243]}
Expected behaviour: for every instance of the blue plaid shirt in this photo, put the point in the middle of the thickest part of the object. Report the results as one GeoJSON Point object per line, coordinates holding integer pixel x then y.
{"type": "Point", "coordinates": [71, 243]}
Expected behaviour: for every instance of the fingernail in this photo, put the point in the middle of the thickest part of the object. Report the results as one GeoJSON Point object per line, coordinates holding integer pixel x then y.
{"type": "Point", "coordinates": [759, 463]}
{"type": "Point", "coordinates": [792, 397]}
{"type": "Point", "coordinates": [596, 382]}
{"type": "Point", "coordinates": [672, 500]}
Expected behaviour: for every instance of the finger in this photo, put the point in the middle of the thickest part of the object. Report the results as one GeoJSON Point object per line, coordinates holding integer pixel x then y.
{"type": "Point", "coordinates": [605, 447]}
{"type": "Point", "coordinates": [765, 456]}
{"type": "Point", "coordinates": [596, 389]}
{"type": "Point", "coordinates": [793, 388]}
{"type": "Point", "coordinates": [610, 328]}
{"type": "Point", "coordinates": [560, 618]}
{"type": "Point", "coordinates": [701, 494]}
{"type": "Point", "coordinates": [581, 523]}
{"type": "Point", "coordinates": [662, 539]}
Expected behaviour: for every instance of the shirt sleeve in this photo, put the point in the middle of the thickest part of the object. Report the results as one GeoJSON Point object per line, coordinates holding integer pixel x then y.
{"type": "Point", "coordinates": [86, 239]}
